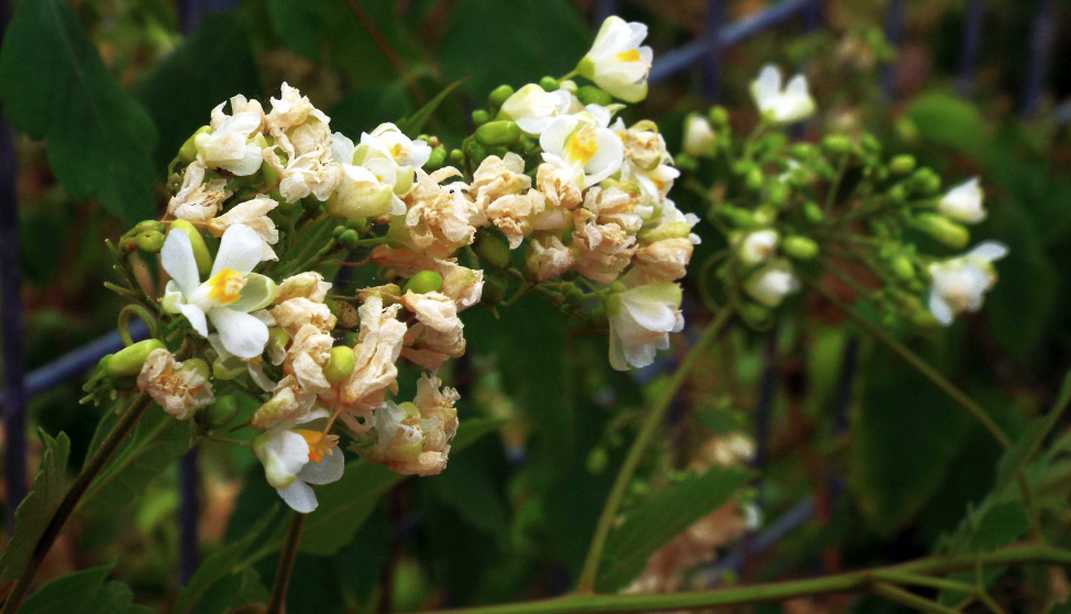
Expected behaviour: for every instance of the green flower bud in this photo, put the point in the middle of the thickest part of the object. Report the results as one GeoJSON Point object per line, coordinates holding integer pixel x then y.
{"type": "Point", "coordinates": [718, 116]}
{"type": "Point", "coordinates": [499, 95]}
{"type": "Point", "coordinates": [527, 144]}
{"type": "Point", "coordinates": [128, 361]}
{"type": "Point", "coordinates": [474, 151]}
{"type": "Point", "coordinates": [337, 231]}
{"type": "Point", "coordinates": [349, 238]}
{"type": "Point", "coordinates": [590, 94]}
{"type": "Point", "coordinates": [148, 225]}
{"type": "Point", "coordinates": [340, 364]}
{"type": "Point", "coordinates": [549, 84]}
{"type": "Point", "coordinates": [777, 194]}
{"type": "Point", "coordinates": [493, 249]}
{"type": "Point", "coordinates": [457, 157]}
{"type": "Point", "coordinates": [907, 130]}
{"type": "Point", "coordinates": [350, 338]}
{"type": "Point", "coordinates": [424, 282]}
{"type": "Point", "coordinates": [902, 164]}
{"type": "Point", "coordinates": [898, 193]}
{"type": "Point", "coordinates": [498, 132]}
{"type": "Point", "coordinates": [436, 159]}
{"type": "Point", "coordinates": [943, 230]}
{"type": "Point", "coordinates": [150, 241]}
{"type": "Point", "coordinates": [197, 242]}
{"type": "Point", "coordinates": [754, 179]}
{"type": "Point", "coordinates": [800, 248]}
{"type": "Point", "coordinates": [870, 144]}
{"type": "Point", "coordinates": [197, 365]}
{"type": "Point", "coordinates": [736, 216]}
{"type": "Point", "coordinates": [926, 181]}
{"type": "Point", "coordinates": [837, 144]}
{"type": "Point", "coordinates": [597, 460]}
{"type": "Point", "coordinates": [480, 117]}
{"type": "Point", "coordinates": [903, 269]}
{"type": "Point", "coordinates": [188, 152]}
{"type": "Point", "coordinates": [765, 215]}
{"type": "Point", "coordinates": [803, 151]}
{"type": "Point", "coordinates": [813, 212]}
{"type": "Point", "coordinates": [219, 413]}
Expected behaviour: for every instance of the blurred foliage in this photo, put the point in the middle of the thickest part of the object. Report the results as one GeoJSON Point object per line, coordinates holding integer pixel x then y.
{"type": "Point", "coordinates": [113, 88]}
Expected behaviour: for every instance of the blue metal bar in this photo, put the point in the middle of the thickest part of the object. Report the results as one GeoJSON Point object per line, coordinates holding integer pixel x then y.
{"type": "Point", "coordinates": [674, 61]}
{"type": "Point", "coordinates": [78, 361]}
{"type": "Point", "coordinates": [1043, 32]}
{"type": "Point", "coordinates": [894, 24]}
{"type": "Point", "coordinates": [775, 532]}
{"type": "Point", "coordinates": [189, 498]}
{"type": "Point", "coordinates": [972, 38]}
{"type": "Point", "coordinates": [712, 60]}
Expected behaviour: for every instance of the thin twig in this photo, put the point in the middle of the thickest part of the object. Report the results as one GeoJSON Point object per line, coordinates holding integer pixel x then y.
{"type": "Point", "coordinates": [286, 564]}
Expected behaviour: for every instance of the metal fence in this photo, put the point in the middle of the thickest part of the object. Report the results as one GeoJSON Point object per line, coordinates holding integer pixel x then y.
{"type": "Point", "coordinates": [704, 51]}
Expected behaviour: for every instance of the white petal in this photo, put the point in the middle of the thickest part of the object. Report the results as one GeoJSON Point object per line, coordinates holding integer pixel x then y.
{"type": "Point", "coordinates": [941, 311]}
{"type": "Point", "coordinates": [196, 317]}
{"type": "Point", "coordinates": [177, 259]}
{"type": "Point", "coordinates": [283, 453]}
{"type": "Point", "coordinates": [989, 251]}
{"type": "Point", "coordinates": [328, 470]}
{"type": "Point", "coordinates": [767, 86]}
{"type": "Point", "coordinates": [241, 249]}
{"type": "Point", "coordinates": [609, 152]}
{"type": "Point", "coordinates": [241, 334]}
{"type": "Point", "coordinates": [299, 496]}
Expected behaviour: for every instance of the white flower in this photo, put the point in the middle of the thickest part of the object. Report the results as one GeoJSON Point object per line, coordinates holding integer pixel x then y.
{"type": "Point", "coordinates": [641, 319]}
{"type": "Point", "coordinates": [254, 214]}
{"type": "Point", "coordinates": [534, 108]}
{"type": "Point", "coordinates": [230, 144]}
{"type": "Point", "coordinates": [389, 139]}
{"type": "Point", "coordinates": [227, 296]}
{"type": "Point", "coordinates": [699, 136]}
{"type": "Point", "coordinates": [963, 203]}
{"type": "Point", "coordinates": [367, 189]}
{"type": "Point", "coordinates": [960, 284]}
{"type": "Point", "coordinates": [179, 388]}
{"type": "Point", "coordinates": [782, 106]}
{"type": "Point", "coordinates": [294, 458]}
{"type": "Point", "coordinates": [757, 247]}
{"type": "Point", "coordinates": [584, 141]}
{"type": "Point", "coordinates": [772, 283]}
{"type": "Point", "coordinates": [198, 200]}
{"type": "Point", "coordinates": [616, 62]}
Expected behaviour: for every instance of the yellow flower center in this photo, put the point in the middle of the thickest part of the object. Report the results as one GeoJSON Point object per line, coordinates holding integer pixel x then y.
{"type": "Point", "coordinates": [629, 55]}
{"type": "Point", "coordinates": [320, 445]}
{"type": "Point", "coordinates": [225, 286]}
{"type": "Point", "coordinates": [396, 151]}
{"type": "Point", "coordinates": [581, 145]}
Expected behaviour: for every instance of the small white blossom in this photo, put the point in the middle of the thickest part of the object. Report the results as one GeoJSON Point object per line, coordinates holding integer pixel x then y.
{"type": "Point", "coordinates": [617, 62]}
{"type": "Point", "coordinates": [230, 143]}
{"type": "Point", "coordinates": [963, 203]}
{"type": "Point", "coordinates": [699, 137]}
{"type": "Point", "coordinates": [757, 246]}
{"type": "Point", "coordinates": [772, 283]}
{"type": "Point", "coordinates": [534, 108]}
{"type": "Point", "coordinates": [782, 106]}
{"type": "Point", "coordinates": [584, 141]}
{"type": "Point", "coordinates": [960, 284]}
{"type": "Point", "coordinates": [294, 458]}
{"type": "Point", "coordinates": [641, 319]}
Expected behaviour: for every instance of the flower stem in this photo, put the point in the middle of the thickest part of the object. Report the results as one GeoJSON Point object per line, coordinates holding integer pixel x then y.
{"type": "Point", "coordinates": [90, 470]}
{"type": "Point", "coordinates": [286, 564]}
{"type": "Point", "coordinates": [586, 584]}
{"type": "Point", "coordinates": [776, 591]}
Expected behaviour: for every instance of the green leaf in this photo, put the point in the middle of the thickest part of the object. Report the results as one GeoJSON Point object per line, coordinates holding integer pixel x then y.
{"type": "Point", "coordinates": [158, 441]}
{"type": "Point", "coordinates": [54, 87]}
{"type": "Point", "coordinates": [413, 124]}
{"type": "Point", "coordinates": [948, 120]}
{"type": "Point", "coordinates": [469, 489]}
{"type": "Point", "coordinates": [662, 517]}
{"type": "Point", "coordinates": [86, 592]}
{"type": "Point", "coordinates": [35, 511]}
{"type": "Point", "coordinates": [209, 67]}
{"type": "Point", "coordinates": [346, 504]}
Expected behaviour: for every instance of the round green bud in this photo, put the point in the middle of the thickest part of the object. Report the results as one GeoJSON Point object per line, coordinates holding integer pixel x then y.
{"type": "Point", "coordinates": [349, 238]}
{"type": "Point", "coordinates": [527, 144]}
{"type": "Point", "coordinates": [549, 84]}
{"type": "Point", "coordinates": [926, 181]}
{"type": "Point", "coordinates": [474, 150]}
{"type": "Point", "coordinates": [898, 193]}
{"type": "Point", "coordinates": [128, 361]}
{"type": "Point", "coordinates": [481, 117]}
{"type": "Point", "coordinates": [350, 338]}
{"type": "Point", "coordinates": [870, 143]}
{"type": "Point", "coordinates": [498, 132]}
{"type": "Point", "coordinates": [743, 167]}
{"type": "Point", "coordinates": [754, 179]}
{"type": "Point", "coordinates": [436, 159]}
{"type": "Point", "coordinates": [812, 212]}
{"type": "Point", "coordinates": [736, 216]}
{"type": "Point", "coordinates": [197, 365]}
{"type": "Point", "coordinates": [903, 268]}
{"type": "Point", "coordinates": [718, 115]}
{"type": "Point", "coordinates": [765, 215]}
{"type": "Point", "coordinates": [337, 231]}
{"type": "Point", "coordinates": [591, 94]}
{"type": "Point", "coordinates": [219, 413]}
{"type": "Point", "coordinates": [197, 242]}
{"type": "Point", "coordinates": [493, 249]}
{"type": "Point", "coordinates": [943, 230]}
{"type": "Point", "coordinates": [499, 95]}
{"type": "Point", "coordinates": [597, 460]}
{"type": "Point", "coordinates": [800, 248]}
{"type": "Point", "coordinates": [150, 241]}
{"type": "Point", "coordinates": [902, 164]}
{"type": "Point", "coordinates": [803, 151]}
{"type": "Point", "coordinates": [457, 157]}
{"type": "Point", "coordinates": [777, 193]}
{"type": "Point", "coordinates": [147, 225]}
{"type": "Point", "coordinates": [340, 364]}
{"type": "Point", "coordinates": [837, 144]}
{"type": "Point", "coordinates": [188, 151]}
{"type": "Point", "coordinates": [424, 281]}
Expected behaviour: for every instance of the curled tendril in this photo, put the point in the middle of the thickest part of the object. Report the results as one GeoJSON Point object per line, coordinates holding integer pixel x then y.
{"type": "Point", "coordinates": [143, 314]}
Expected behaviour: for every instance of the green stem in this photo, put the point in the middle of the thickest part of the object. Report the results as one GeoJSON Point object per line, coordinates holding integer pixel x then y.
{"type": "Point", "coordinates": [911, 600]}
{"type": "Point", "coordinates": [586, 584]}
{"type": "Point", "coordinates": [831, 197]}
{"type": "Point", "coordinates": [774, 591]}
{"type": "Point", "coordinates": [911, 579]}
{"type": "Point", "coordinates": [286, 564]}
{"type": "Point", "coordinates": [70, 501]}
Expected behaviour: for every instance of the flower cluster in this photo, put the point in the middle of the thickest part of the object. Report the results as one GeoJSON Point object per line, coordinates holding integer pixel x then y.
{"type": "Point", "coordinates": [272, 213]}
{"type": "Point", "coordinates": [835, 210]}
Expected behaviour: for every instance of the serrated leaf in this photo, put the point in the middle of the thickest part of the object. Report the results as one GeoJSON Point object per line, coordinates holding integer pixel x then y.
{"type": "Point", "coordinates": [662, 517]}
{"type": "Point", "coordinates": [209, 67]}
{"type": "Point", "coordinates": [54, 86]}
{"type": "Point", "coordinates": [346, 504]}
{"type": "Point", "coordinates": [33, 514]}
{"type": "Point", "coordinates": [86, 592]}
{"type": "Point", "coordinates": [413, 124]}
